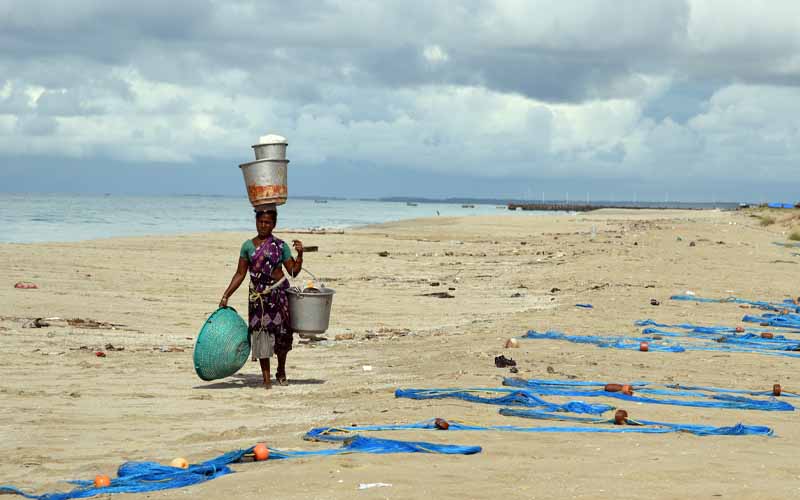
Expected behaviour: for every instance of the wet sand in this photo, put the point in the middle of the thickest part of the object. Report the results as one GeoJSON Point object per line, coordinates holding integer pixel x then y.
{"type": "Point", "coordinates": [67, 414]}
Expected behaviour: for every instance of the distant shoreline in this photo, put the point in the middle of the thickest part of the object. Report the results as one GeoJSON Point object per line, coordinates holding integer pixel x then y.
{"type": "Point", "coordinates": [566, 205]}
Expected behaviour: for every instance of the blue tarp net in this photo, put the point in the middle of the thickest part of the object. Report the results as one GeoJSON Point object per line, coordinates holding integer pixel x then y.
{"type": "Point", "coordinates": [726, 401]}
{"type": "Point", "coordinates": [723, 335]}
{"type": "Point", "coordinates": [337, 434]}
{"type": "Point", "coordinates": [138, 477]}
{"type": "Point", "coordinates": [773, 306]}
{"type": "Point", "coordinates": [619, 342]}
{"type": "Point", "coordinates": [510, 398]}
{"type": "Point", "coordinates": [790, 320]}
{"type": "Point", "coordinates": [647, 387]}
{"type": "Point", "coordinates": [641, 426]}
{"type": "Point", "coordinates": [741, 345]}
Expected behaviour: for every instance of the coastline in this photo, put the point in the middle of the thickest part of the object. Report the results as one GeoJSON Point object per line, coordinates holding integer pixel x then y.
{"type": "Point", "coordinates": [144, 403]}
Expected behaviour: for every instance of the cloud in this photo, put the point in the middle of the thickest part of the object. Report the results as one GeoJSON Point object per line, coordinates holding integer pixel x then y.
{"type": "Point", "coordinates": [601, 90]}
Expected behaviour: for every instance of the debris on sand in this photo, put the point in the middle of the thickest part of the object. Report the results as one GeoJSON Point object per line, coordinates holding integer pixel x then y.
{"type": "Point", "coordinates": [439, 295]}
{"type": "Point", "coordinates": [504, 362]}
{"type": "Point", "coordinates": [165, 348]}
{"type": "Point", "coordinates": [90, 323]}
{"type": "Point", "coordinates": [25, 285]}
{"type": "Point", "coordinates": [36, 323]}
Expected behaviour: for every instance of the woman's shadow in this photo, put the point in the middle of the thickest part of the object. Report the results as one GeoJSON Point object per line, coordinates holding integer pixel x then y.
{"type": "Point", "coordinates": [254, 380]}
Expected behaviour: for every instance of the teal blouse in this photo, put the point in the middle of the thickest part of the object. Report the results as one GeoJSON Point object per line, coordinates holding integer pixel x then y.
{"type": "Point", "coordinates": [248, 249]}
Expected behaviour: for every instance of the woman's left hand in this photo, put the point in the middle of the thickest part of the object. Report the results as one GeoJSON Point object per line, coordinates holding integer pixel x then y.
{"type": "Point", "coordinates": [298, 246]}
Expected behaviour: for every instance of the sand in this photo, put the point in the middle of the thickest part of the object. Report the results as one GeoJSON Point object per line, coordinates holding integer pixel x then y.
{"type": "Point", "coordinates": [67, 414]}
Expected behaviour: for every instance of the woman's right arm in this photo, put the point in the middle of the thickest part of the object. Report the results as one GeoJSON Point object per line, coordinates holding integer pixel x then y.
{"type": "Point", "coordinates": [238, 277]}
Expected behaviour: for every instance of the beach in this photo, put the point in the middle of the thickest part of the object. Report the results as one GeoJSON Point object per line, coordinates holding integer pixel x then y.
{"type": "Point", "coordinates": [68, 414]}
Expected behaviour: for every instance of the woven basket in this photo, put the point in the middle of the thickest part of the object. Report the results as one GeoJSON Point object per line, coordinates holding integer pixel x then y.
{"type": "Point", "coordinates": [222, 346]}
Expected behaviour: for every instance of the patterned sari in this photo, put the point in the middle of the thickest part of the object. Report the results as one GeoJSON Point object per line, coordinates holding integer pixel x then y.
{"type": "Point", "coordinates": [269, 327]}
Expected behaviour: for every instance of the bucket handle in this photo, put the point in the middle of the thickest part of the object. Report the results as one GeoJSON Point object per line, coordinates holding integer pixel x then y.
{"type": "Point", "coordinates": [286, 277]}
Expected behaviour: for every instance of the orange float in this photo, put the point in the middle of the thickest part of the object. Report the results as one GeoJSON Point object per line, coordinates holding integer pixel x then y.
{"type": "Point", "coordinates": [644, 346]}
{"type": "Point", "coordinates": [180, 463]}
{"type": "Point", "coordinates": [627, 390]}
{"type": "Point", "coordinates": [441, 424]}
{"type": "Point", "coordinates": [620, 417]}
{"type": "Point", "coordinates": [739, 329]}
{"type": "Point", "coordinates": [102, 481]}
{"type": "Point", "coordinates": [776, 390]}
{"type": "Point", "coordinates": [766, 335]}
{"type": "Point", "coordinates": [612, 388]}
{"type": "Point", "coordinates": [261, 452]}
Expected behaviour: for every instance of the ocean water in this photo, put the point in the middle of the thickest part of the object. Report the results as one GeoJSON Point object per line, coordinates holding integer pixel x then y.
{"type": "Point", "coordinates": [29, 218]}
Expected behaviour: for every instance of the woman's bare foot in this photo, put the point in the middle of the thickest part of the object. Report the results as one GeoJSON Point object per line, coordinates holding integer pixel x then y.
{"type": "Point", "coordinates": [265, 373]}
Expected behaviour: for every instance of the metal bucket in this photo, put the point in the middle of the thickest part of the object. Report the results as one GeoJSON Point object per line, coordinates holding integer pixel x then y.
{"type": "Point", "coordinates": [266, 181]}
{"type": "Point", "coordinates": [310, 312]}
{"type": "Point", "coordinates": [271, 151]}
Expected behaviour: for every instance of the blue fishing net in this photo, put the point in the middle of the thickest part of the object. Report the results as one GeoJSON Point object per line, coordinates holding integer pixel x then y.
{"type": "Point", "coordinates": [139, 477]}
{"type": "Point", "coordinates": [510, 398]}
{"type": "Point", "coordinates": [337, 434]}
{"type": "Point", "coordinates": [773, 306]}
{"type": "Point", "coordinates": [727, 343]}
{"type": "Point", "coordinates": [222, 346]}
{"type": "Point", "coordinates": [628, 343]}
{"type": "Point", "coordinates": [640, 426]}
{"type": "Point", "coordinates": [791, 321]}
{"type": "Point", "coordinates": [727, 401]}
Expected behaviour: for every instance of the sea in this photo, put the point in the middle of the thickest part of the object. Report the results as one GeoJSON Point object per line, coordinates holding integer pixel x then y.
{"type": "Point", "coordinates": [31, 218]}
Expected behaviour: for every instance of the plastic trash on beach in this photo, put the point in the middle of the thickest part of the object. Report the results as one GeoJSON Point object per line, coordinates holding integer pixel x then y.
{"type": "Point", "coordinates": [366, 486]}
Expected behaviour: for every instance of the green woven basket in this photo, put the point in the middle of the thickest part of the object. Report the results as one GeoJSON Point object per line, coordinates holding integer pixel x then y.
{"type": "Point", "coordinates": [222, 345]}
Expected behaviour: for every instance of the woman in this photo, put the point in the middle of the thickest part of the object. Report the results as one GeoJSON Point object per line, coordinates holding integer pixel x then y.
{"type": "Point", "coordinates": [269, 328]}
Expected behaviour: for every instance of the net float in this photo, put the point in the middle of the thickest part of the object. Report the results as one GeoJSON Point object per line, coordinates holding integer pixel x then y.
{"type": "Point", "coordinates": [739, 329]}
{"type": "Point", "coordinates": [102, 481]}
{"type": "Point", "coordinates": [261, 452]}
{"type": "Point", "coordinates": [620, 417]}
{"type": "Point", "coordinates": [627, 390]}
{"type": "Point", "coordinates": [441, 424]}
{"type": "Point", "coordinates": [612, 387]}
{"type": "Point", "coordinates": [180, 463]}
{"type": "Point", "coordinates": [776, 390]}
{"type": "Point", "coordinates": [766, 335]}
{"type": "Point", "coordinates": [644, 346]}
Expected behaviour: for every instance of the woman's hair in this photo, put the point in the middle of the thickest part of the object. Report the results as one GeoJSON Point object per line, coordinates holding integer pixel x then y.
{"type": "Point", "coordinates": [272, 212]}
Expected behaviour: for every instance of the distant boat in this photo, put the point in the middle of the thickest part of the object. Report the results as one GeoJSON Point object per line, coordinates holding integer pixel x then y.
{"type": "Point", "coordinates": [320, 201]}
{"type": "Point", "coordinates": [411, 204]}
{"type": "Point", "coordinates": [467, 206]}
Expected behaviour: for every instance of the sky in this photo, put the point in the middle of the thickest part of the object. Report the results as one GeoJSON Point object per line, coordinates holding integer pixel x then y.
{"type": "Point", "coordinates": [695, 100]}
